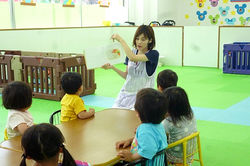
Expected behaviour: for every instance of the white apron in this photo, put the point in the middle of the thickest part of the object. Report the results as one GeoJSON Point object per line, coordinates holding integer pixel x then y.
{"type": "Point", "coordinates": [137, 79]}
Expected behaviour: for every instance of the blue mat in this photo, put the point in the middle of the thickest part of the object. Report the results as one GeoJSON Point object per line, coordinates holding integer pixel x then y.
{"type": "Point", "coordinates": [99, 101]}
{"type": "Point", "coordinates": [237, 114]}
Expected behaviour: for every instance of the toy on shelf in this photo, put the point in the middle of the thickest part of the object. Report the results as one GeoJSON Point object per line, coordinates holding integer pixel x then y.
{"type": "Point", "coordinates": [154, 24]}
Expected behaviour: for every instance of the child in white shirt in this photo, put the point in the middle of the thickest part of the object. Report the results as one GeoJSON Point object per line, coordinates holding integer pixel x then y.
{"type": "Point", "coordinates": [17, 99]}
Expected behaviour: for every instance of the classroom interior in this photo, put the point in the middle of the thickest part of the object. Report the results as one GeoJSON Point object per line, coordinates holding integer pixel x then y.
{"type": "Point", "coordinates": [193, 48]}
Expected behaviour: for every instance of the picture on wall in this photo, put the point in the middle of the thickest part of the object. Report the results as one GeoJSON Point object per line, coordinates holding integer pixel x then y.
{"type": "Point", "coordinates": [29, 1]}
{"type": "Point", "coordinates": [68, 2]}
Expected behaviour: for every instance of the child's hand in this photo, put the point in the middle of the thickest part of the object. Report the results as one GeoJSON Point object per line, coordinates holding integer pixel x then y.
{"type": "Point", "coordinates": [123, 144]}
{"type": "Point", "coordinates": [125, 155]}
{"type": "Point", "coordinates": [92, 111]}
{"type": "Point", "coordinates": [107, 66]}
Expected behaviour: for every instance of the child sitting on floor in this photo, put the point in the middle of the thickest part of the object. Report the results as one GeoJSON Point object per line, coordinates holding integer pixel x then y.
{"type": "Point", "coordinates": [72, 106]}
{"type": "Point", "coordinates": [17, 99]}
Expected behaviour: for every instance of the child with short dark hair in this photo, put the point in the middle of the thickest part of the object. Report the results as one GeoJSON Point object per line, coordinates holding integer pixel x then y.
{"type": "Point", "coordinates": [17, 99]}
{"type": "Point", "coordinates": [180, 121]}
{"type": "Point", "coordinates": [72, 106]}
{"type": "Point", "coordinates": [166, 78]}
{"type": "Point", "coordinates": [150, 138]}
{"type": "Point", "coordinates": [44, 143]}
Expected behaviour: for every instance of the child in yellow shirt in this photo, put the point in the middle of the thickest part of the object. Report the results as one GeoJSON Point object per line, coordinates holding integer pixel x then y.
{"type": "Point", "coordinates": [72, 106]}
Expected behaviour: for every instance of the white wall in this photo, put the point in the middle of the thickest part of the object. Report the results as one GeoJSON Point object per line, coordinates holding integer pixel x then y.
{"type": "Point", "coordinates": [167, 10]}
{"type": "Point", "coordinates": [39, 16]}
{"type": "Point", "coordinates": [136, 11]}
{"type": "Point", "coordinates": [127, 33]}
{"type": "Point", "coordinates": [200, 43]}
{"type": "Point", "coordinates": [200, 46]}
{"type": "Point", "coordinates": [66, 16]}
{"type": "Point", "coordinates": [169, 44]}
{"type": "Point", "coordinates": [55, 15]}
{"type": "Point", "coordinates": [4, 15]}
{"type": "Point", "coordinates": [68, 40]}
{"type": "Point", "coordinates": [229, 35]}
{"type": "Point", "coordinates": [143, 11]}
{"type": "Point", "coordinates": [76, 40]}
{"type": "Point", "coordinates": [149, 14]}
{"type": "Point", "coordinates": [93, 15]}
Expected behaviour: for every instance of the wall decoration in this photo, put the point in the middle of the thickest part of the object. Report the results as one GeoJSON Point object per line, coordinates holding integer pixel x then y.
{"type": "Point", "coordinates": [26, 2]}
{"type": "Point", "coordinates": [224, 11]}
{"type": "Point", "coordinates": [218, 12]}
{"type": "Point", "coordinates": [230, 21]}
{"type": "Point", "coordinates": [200, 3]}
{"type": "Point", "coordinates": [186, 16]}
{"type": "Point", "coordinates": [68, 2]}
{"type": "Point", "coordinates": [244, 21]}
{"type": "Point", "coordinates": [233, 13]}
{"type": "Point", "coordinates": [240, 9]}
{"type": "Point", "coordinates": [214, 3]}
{"type": "Point", "coordinates": [247, 21]}
{"type": "Point", "coordinates": [214, 20]}
{"type": "Point", "coordinates": [201, 16]}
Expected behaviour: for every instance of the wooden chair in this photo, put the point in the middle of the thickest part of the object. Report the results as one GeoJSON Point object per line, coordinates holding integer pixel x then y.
{"type": "Point", "coordinates": [191, 145]}
{"type": "Point", "coordinates": [159, 159]}
{"type": "Point", "coordinates": [55, 117]}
